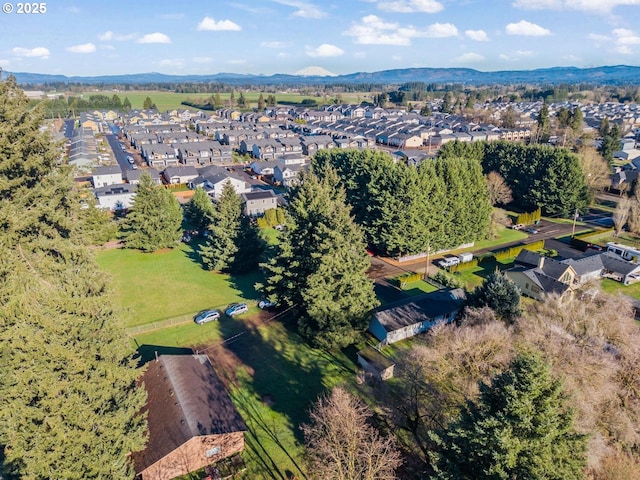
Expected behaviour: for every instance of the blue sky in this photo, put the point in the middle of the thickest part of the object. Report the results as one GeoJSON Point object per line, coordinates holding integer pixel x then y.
{"type": "Point", "coordinates": [104, 37]}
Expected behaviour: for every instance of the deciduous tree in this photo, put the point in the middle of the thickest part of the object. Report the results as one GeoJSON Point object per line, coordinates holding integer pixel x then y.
{"type": "Point", "coordinates": [621, 213]}
{"type": "Point", "coordinates": [499, 191]}
{"type": "Point", "coordinates": [341, 445]}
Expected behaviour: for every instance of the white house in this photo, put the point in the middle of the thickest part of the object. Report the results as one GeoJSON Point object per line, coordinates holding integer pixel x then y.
{"type": "Point", "coordinates": [287, 175]}
{"type": "Point", "coordinates": [115, 197]}
{"type": "Point", "coordinates": [103, 176]}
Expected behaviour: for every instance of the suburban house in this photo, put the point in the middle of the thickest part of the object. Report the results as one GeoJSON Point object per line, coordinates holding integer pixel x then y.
{"type": "Point", "coordinates": [263, 167]}
{"type": "Point", "coordinates": [409, 317]}
{"type": "Point", "coordinates": [201, 153]}
{"type": "Point", "coordinates": [259, 201]}
{"type": "Point", "coordinates": [537, 275]}
{"type": "Point", "coordinates": [133, 176]}
{"type": "Point", "coordinates": [213, 179]}
{"type": "Point", "coordinates": [115, 197]}
{"type": "Point", "coordinates": [605, 265]}
{"type": "Point", "coordinates": [103, 176]}
{"type": "Point", "coordinates": [287, 175]}
{"type": "Point", "coordinates": [160, 155]}
{"type": "Point", "coordinates": [191, 420]}
{"type": "Point", "coordinates": [180, 174]}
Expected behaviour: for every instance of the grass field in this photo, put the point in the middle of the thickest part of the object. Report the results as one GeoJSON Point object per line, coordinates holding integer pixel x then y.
{"type": "Point", "coordinates": [168, 284]}
{"type": "Point", "coordinates": [474, 277]}
{"type": "Point", "coordinates": [171, 100]}
{"type": "Point", "coordinates": [611, 286]}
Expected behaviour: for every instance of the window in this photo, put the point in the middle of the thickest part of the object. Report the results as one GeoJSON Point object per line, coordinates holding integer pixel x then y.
{"type": "Point", "coordinates": [213, 451]}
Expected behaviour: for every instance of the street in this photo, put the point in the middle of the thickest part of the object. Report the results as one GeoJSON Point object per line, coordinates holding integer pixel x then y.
{"type": "Point", "coordinates": [121, 156]}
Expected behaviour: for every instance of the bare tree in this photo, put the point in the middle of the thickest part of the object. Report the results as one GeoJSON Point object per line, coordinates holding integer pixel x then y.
{"type": "Point", "coordinates": [341, 445]}
{"type": "Point", "coordinates": [621, 214]}
{"type": "Point", "coordinates": [634, 211]}
{"type": "Point", "coordinates": [596, 170]}
{"type": "Point", "coordinates": [499, 191]}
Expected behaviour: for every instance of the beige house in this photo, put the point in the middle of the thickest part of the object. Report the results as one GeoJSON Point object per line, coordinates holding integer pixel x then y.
{"type": "Point", "coordinates": [191, 420]}
{"type": "Point", "coordinates": [537, 275]}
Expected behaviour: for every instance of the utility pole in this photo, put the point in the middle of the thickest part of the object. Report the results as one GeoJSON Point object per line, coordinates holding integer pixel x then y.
{"type": "Point", "coordinates": [575, 217]}
{"type": "Point", "coordinates": [426, 270]}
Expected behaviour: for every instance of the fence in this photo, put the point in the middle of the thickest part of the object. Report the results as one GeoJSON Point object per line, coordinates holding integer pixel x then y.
{"type": "Point", "coordinates": [150, 327]}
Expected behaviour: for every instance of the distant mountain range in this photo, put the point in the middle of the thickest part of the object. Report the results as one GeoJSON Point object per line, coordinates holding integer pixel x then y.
{"type": "Point", "coordinates": [607, 75]}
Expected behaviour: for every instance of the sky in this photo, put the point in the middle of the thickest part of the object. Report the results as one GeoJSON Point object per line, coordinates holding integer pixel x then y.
{"type": "Point", "coordinates": [91, 38]}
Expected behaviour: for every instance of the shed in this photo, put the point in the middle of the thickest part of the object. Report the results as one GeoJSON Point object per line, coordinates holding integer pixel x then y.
{"type": "Point", "coordinates": [375, 363]}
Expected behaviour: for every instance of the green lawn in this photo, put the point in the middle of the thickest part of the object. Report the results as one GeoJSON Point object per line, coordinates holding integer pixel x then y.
{"type": "Point", "coordinates": [172, 100]}
{"type": "Point", "coordinates": [474, 277]}
{"type": "Point", "coordinates": [168, 284]}
{"type": "Point", "coordinates": [419, 287]}
{"type": "Point", "coordinates": [611, 286]}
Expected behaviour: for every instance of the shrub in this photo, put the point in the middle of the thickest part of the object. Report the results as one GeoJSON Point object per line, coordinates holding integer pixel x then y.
{"type": "Point", "coordinates": [407, 278]}
{"type": "Point", "coordinates": [447, 280]}
{"type": "Point", "coordinates": [464, 266]}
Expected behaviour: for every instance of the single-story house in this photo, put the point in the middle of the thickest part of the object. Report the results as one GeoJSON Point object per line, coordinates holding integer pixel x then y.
{"type": "Point", "coordinates": [375, 363]}
{"type": "Point", "coordinates": [181, 174]}
{"type": "Point", "coordinates": [115, 197]}
{"type": "Point", "coordinates": [604, 264]}
{"type": "Point", "coordinates": [409, 317]}
{"type": "Point", "coordinates": [537, 275]}
{"type": "Point", "coordinates": [190, 418]}
{"type": "Point", "coordinates": [259, 201]}
{"type": "Point", "coordinates": [103, 176]}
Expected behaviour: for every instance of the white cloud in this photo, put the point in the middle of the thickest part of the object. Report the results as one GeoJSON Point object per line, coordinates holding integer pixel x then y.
{"type": "Point", "coordinates": [4, 63]}
{"type": "Point", "coordinates": [396, 58]}
{"type": "Point", "coordinates": [109, 35]}
{"type": "Point", "coordinates": [411, 6]}
{"type": "Point", "coordinates": [84, 48]}
{"type": "Point", "coordinates": [527, 29]}
{"type": "Point", "coordinates": [325, 50]}
{"type": "Point", "coordinates": [372, 30]}
{"type": "Point", "coordinates": [589, 6]}
{"type": "Point", "coordinates": [304, 9]}
{"type": "Point", "coordinates": [469, 57]}
{"type": "Point", "coordinates": [439, 30]}
{"type": "Point", "coordinates": [623, 49]}
{"type": "Point", "coordinates": [283, 55]}
{"type": "Point", "coordinates": [275, 44]}
{"type": "Point", "coordinates": [596, 37]}
{"type": "Point", "coordinates": [156, 37]}
{"type": "Point", "coordinates": [209, 24]}
{"type": "Point", "coordinates": [202, 59]}
{"type": "Point", "coordinates": [626, 37]}
{"type": "Point", "coordinates": [41, 52]}
{"type": "Point", "coordinates": [477, 35]}
{"type": "Point", "coordinates": [172, 63]}
{"type": "Point", "coordinates": [237, 62]}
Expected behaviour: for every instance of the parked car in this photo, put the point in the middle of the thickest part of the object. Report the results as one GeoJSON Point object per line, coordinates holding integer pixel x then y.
{"type": "Point", "coordinates": [518, 226]}
{"type": "Point", "coordinates": [264, 304]}
{"type": "Point", "coordinates": [531, 230]}
{"type": "Point", "coordinates": [236, 309]}
{"type": "Point", "coordinates": [130, 159]}
{"type": "Point", "coordinates": [206, 316]}
{"type": "Point", "coordinates": [448, 261]}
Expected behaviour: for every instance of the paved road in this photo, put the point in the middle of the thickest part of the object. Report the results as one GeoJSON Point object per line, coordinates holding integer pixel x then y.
{"type": "Point", "coordinates": [120, 155]}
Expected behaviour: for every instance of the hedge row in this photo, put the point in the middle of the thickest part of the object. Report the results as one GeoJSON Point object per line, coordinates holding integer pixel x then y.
{"type": "Point", "coordinates": [515, 250]}
{"type": "Point", "coordinates": [464, 266]}
{"type": "Point", "coordinates": [529, 218]}
{"type": "Point", "coordinates": [408, 277]}
{"type": "Point", "coordinates": [582, 242]}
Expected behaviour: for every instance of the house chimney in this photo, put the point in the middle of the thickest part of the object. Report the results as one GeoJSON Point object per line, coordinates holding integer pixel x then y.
{"type": "Point", "coordinates": [540, 262]}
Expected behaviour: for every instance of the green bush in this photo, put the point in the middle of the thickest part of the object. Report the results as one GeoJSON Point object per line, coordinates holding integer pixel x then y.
{"type": "Point", "coordinates": [528, 218]}
{"type": "Point", "coordinates": [262, 222]}
{"type": "Point", "coordinates": [447, 280]}
{"type": "Point", "coordinates": [516, 249]}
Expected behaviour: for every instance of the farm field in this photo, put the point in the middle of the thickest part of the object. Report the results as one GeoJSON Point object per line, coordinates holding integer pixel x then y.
{"type": "Point", "coordinates": [172, 100]}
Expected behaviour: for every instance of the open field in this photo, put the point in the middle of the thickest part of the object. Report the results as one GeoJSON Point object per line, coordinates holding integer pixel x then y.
{"type": "Point", "coordinates": [168, 284]}
{"type": "Point", "coordinates": [172, 100]}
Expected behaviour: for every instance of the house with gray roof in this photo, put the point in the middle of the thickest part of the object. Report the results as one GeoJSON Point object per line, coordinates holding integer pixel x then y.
{"type": "Point", "coordinates": [191, 421]}
{"type": "Point", "coordinates": [213, 179]}
{"type": "Point", "coordinates": [133, 176]}
{"type": "Point", "coordinates": [410, 317]}
{"type": "Point", "coordinates": [180, 174]}
{"type": "Point", "coordinates": [537, 275]}
{"type": "Point", "coordinates": [103, 176]}
{"type": "Point", "coordinates": [115, 197]}
{"type": "Point", "coordinates": [259, 201]}
{"type": "Point", "coordinates": [288, 175]}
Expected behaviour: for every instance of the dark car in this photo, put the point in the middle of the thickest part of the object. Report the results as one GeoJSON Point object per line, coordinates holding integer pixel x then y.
{"type": "Point", "coordinates": [206, 316]}
{"type": "Point", "coordinates": [236, 309]}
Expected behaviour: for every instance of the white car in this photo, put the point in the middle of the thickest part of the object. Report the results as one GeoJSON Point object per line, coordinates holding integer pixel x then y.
{"type": "Point", "coordinates": [236, 309]}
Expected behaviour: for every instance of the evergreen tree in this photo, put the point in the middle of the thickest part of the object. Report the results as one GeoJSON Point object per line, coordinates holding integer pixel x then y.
{"type": "Point", "coordinates": [519, 428]}
{"type": "Point", "coordinates": [543, 131]}
{"type": "Point", "coordinates": [499, 293]}
{"type": "Point", "coordinates": [242, 100]}
{"type": "Point", "coordinates": [261, 103]}
{"type": "Point", "coordinates": [577, 119]}
{"type": "Point", "coordinates": [320, 269]}
{"type": "Point", "coordinates": [126, 104]}
{"type": "Point", "coordinates": [154, 220]}
{"type": "Point", "coordinates": [234, 244]}
{"type": "Point", "coordinates": [199, 211]}
{"type": "Point", "coordinates": [217, 100]}
{"type": "Point", "coordinates": [148, 104]}
{"type": "Point", "coordinates": [610, 141]}
{"type": "Point", "coordinates": [96, 224]}
{"type": "Point", "coordinates": [69, 403]}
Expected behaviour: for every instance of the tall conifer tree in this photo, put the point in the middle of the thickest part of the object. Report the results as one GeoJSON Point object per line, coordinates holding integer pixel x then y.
{"type": "Point", "coordinates": [69, 403]}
